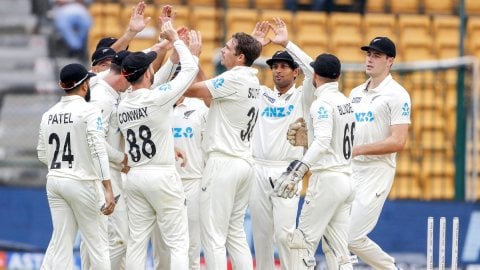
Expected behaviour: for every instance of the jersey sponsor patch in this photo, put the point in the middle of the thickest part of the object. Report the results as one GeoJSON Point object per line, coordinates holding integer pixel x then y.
{"type": "Point", "coordinates": [218, 82]}
{"type": "Point", "coordinates": [179, 132]}
{"type": "Point", "coordinates": [165, 87]}
{"type": "Point", "coordinates": [405, 109]}
{"type": "Point", "coordinates": [322, 113]}
{"type": "Point", "coordinates": [277, 112]}
{"type": "Point", "coordinates": [356, 99]}
{"type": "Point", "coordinates": [364, 116]}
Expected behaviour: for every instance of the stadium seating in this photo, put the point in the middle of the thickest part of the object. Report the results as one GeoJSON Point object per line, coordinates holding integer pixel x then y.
{"type": "Point", "coordinates": [376, 25]}
{"type": "Point", "coordinates": [446, 36]}
{"type": "Point", "coordinates": [268, 4]}
{"type": "Point", "coordinates": [346, 36]}
{"type": "Point", "coordinates": [472, 7]}
{"type": "Point", "coordinates": [439, 6]}
{"type": "Point", "coordinates": [404, 6]}
{"type": "Point", "coordinates": [241, 20]}
{"type": "Point", "coordinates": [311, 32]}
{"type": "Point", "coordinates": [378, 6]}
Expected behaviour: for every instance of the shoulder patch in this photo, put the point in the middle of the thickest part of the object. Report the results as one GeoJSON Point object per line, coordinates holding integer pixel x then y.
{"type": "Point", "coordinates": [322, 113]}
{"type": "Point", "coordinates": [217, 83]}
{"type": "Point", "coordinates": [405, 109]}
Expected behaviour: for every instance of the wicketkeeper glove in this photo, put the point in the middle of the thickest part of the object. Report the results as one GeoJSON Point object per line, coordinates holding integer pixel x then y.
{"type": "Point", "coordinates": [286, 185]}
{"type": "Point", "coordinates": [297, 133]}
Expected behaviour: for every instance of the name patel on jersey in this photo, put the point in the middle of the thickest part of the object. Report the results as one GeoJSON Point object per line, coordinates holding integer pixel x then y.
{"type": "Point", "coordinates": [60, 118]}
{"type": "Point", "coordinates": [132, 115]}
{"type": "Point", "coordinates": [345, 108]}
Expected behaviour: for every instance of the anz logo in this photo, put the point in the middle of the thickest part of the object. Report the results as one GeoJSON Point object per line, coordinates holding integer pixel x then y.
{"type": "Point", "coordinates": [364, 116]}
{"type": "Point", "coordinates": [182, 132]}
{"type": "Point", "coordinates": [277, 112]}
{"type": "Point", "coordinates": [405, 109]}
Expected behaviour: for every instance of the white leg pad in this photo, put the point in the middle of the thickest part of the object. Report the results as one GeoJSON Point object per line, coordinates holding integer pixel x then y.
{"type": "Point", "coordinates": [301, 258]}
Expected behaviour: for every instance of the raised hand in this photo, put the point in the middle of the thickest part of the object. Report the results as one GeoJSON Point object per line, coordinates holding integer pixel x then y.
{"type": "Point", "coordinates": [168, 32]}
{"type": "Point", "coordinates": [260, 32]}
{"type": "Point", "coordinates": [281, 32]}
{"type": "Point", "coordinates": [138, 22]}
{"type": "Point", "coordinates": [195, 45]}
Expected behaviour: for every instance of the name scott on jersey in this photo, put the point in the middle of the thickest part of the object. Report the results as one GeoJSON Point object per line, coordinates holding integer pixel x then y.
{"type": "Point", "coordinates": [60, 118]}
{"type": "Point", "coordinates": [132, 115]}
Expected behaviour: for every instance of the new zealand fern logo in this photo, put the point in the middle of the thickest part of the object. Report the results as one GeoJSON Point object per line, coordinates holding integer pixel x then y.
{"type": "Point", "coordinates": [405, 109]}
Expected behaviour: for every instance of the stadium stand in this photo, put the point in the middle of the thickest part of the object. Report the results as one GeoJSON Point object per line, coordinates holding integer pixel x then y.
{"type": "Point", "coordinates": [436, 7]}
{"type": "Point", "coordinates": [405, 6]}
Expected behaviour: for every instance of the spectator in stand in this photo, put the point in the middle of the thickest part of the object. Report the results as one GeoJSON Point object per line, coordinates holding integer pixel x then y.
{"type": "Point", "coordinates": [72, 20]}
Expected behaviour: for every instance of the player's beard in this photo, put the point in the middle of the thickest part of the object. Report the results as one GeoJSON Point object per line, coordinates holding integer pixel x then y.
{"type": "Point", "coordinates": [87, 95]}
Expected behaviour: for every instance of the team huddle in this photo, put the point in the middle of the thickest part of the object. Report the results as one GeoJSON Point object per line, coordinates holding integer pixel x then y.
{"type": "Point", "coordinates": [144, 148]}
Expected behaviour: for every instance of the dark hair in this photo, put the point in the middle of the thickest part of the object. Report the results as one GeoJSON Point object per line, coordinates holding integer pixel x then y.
{"type": "Point", "coordinates": [248, 46]}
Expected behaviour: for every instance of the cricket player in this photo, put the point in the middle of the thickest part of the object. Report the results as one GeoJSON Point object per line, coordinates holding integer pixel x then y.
{"type": "Point", "coordinates": [228, 174]}
{"type": "Point", "coordinates": [153, 188]}
{"type": "Point", "coordinates": [326, 212]}
{"type": "Point", "coordinates": [106, 96]}
{"type": "Point", "coordinates": [382, 115]}
{"type": "Point", "coordinates": [71, 143]}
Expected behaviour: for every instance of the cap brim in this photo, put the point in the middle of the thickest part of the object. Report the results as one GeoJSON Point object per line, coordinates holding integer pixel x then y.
{"type": "Point", "coordinates": [91, 74]}
{"type": "Point", "coordinates": [102, 58]}
{"type": "Point", "coordinates": [367, 48]}
{"type": "Point", "coordinates": [273, 60]}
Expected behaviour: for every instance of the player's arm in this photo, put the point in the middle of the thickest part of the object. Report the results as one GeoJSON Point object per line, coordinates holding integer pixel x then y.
{"type": "Point", "coordinates": [392, 144]}
{"type": "Point", "coordinates": [199, 90]}
{"type": "Point", "coordinates": [114, 155]}
{"type": "Point", "coordinates": [41, 151]}
{"type": "Point", "coordinates": [172, 90]}
{"type": "Point", "coordinates": [322, 132]}
{"type": "Point", "coordinates": [96, 143]}
{"type": "Point", "coordinates": [137, 23]}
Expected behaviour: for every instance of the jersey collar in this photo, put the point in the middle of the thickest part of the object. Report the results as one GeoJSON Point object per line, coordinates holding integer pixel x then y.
{"type": "Point", "coordinates": [380, 86]}
{"type": "Point", "coordinates": [326, 88]}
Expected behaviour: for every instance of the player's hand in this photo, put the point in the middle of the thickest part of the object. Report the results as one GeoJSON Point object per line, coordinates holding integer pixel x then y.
{"type": "Point", "coordinates": [180, 155]}
{"type": "Point", "coordinates": [297, 133]}
{"type": "Point", "coordinates": [281, 32]}
{"type": "Point", "coordinates": [109, 198]}
{"type": "Point", "coordinates": [260, 32]}
{"type": "Point", "coordinates": [286, 185]}
{"type": "Point", "coordinates": [166, 15]}
{"type": "Point", "coordinates": [125, 167]}
{"type": "Point", "coordinates": [195, 44]}
{"type": "Point", "coordinates": [168, 32]}
{"type": "Point", "coordinates": [138, 22]}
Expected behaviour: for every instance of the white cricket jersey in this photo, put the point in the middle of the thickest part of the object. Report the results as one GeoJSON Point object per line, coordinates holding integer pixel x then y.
{"type": "Point", "coordinates": [276, 113]}
{"type": "Point", "coordinates": [331, 115]}
{"type": "Point", "coordinates": [144, 116]}
{"type": "Point", "coordinates": [100, 76]}
{"type": "Point", "coordinates": [189, 121]}
{"type": "Point", "coordinates": [375, 111]}
{"type": "Point", "coordinates": [104, 97]}
{"type": "Point", "coordinates": [71, 141]}
{"type": "Point", "coordinates": [233, 112]}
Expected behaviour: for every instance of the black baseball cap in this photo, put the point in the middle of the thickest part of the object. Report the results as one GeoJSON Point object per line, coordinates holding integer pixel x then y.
{"type": "Point", "coordinates": [101, 54]}
{"type": "Point", "coordinates": [119, 56]}
{"type": "Point", "coordinates": [72, 75]}
{"type": "Point", "coordinates": [383, 45]}
{"type": "Point", "coordinates": [136, 63]}
{"type": "Point", "coordinates": [282, 56]}
{"type": "Point", "coordinates": [106, 42]}
{"type": "Point", "coordinates": [327, 65]}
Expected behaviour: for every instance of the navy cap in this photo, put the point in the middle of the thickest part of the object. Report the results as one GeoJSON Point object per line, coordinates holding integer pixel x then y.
{"type": "Point", "coordinates": [106, 42]}
{"type": "Point", "coordinates": [327, 65]}
{"type": "Point", "coordinates": [119, 56]}
{"type": "Point", "coordinates": [72, 75]}
{"type": "Point", "coordinates": [383, 45]}
{"type": "Point", "coordinates": [101, 54]}
{"type": "Point", "coordinates": [283, 56]}
{"type": "Point", "coordinates": [136, 63]}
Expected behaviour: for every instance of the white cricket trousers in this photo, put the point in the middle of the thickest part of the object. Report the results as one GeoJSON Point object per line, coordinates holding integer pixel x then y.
{"type": "Point", "coordinates": [373, 181]}
{"type": "Point", "coordinates": [155, 197]}
{"type": "Point", "coordinates": [161, 259]}
{"type": "Point", "coordinates": [325, 216]}
{"type": "Point", "coordinates": [224, 195]}
{"type": "Point", "coordinates": [75, 205]}
{"type": "Point", "coordinates": [272, 216]}
{"type": "Point", "coordinates": [117, 228]}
